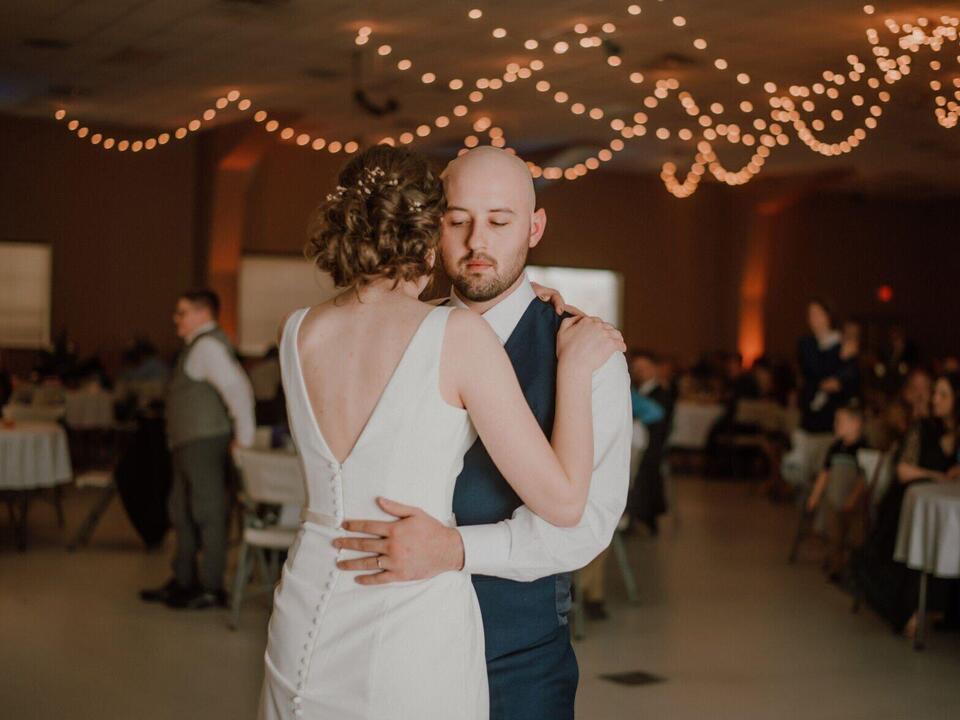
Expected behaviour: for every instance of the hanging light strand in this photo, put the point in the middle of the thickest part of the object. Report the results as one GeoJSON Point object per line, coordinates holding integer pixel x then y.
{"type": "Point", "coordinates": [800, 107]}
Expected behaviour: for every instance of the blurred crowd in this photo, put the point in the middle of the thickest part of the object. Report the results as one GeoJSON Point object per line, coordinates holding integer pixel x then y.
{"type": "Point", "coordinates": [799, 426]}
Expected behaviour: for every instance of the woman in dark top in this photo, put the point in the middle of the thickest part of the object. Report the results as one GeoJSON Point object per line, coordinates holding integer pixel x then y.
{"type": "Point", "coordinates": [828, 370]}
{"type": "Point", "coordinates": [929, 454]}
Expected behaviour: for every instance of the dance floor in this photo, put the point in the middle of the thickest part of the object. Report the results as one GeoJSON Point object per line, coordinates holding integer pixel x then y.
{"type": "Point", "coordinates": [730, 629]}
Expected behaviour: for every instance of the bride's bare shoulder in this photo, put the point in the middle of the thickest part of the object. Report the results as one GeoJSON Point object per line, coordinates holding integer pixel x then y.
{"type": "Point", "coordinates": [311, 315]}
{"type": "Point", "coordinates": [466, 331]}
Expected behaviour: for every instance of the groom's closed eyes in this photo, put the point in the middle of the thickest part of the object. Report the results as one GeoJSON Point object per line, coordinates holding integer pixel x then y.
{"type": "Point", "coordinates": [497, 217]}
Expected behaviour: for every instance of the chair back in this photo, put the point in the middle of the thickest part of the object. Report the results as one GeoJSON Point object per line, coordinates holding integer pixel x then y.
{"type": "Point", "coordinates": [262, 437]}
{"type": "Point", "coordinates": [806, 457]}
{"type": "Point", "coordinates": [88, 410]}
{"type": "Point", "coordinates": [886, 470]}
{"type": "Point", "coordinates": [271, 476]}
{"type": "Point", "coordinates": [638, 445]}
{"type": "Point", "coordinates": [765, 414]}
{"type": "Point", "coordinates": [869, 460]}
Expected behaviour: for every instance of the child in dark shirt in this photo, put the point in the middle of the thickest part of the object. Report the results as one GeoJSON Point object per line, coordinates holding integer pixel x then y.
{"type": "Point", "coordinates": [839, 490]}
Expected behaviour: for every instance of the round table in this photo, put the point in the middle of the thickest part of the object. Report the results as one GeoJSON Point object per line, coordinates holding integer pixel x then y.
{"type": "Point", "coordinates": [928, 538]}
{"type": "Point", "coordinates": [33, 456]}
{"type": "Point", "coordinates": [692, 423]}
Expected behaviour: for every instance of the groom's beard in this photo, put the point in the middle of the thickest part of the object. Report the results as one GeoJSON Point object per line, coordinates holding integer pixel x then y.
{"type": "Point", "coordinates": [483, 287]}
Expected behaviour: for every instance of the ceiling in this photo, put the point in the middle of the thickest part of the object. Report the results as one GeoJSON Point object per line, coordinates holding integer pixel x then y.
{"type": "Point", "coordinates": [159, 63]}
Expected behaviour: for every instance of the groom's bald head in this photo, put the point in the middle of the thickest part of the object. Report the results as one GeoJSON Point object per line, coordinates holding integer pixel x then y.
{"type": "Point", "coordinates": [495, 169]}
{"type": "Point", "coordinates": [490, 224]}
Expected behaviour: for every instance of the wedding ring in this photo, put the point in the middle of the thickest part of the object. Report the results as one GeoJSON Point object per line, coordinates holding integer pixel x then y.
{"type": "Point", "coordinates": [378, 562]}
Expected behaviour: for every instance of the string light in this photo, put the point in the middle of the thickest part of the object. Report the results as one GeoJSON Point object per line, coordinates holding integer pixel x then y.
{"type": "Point", "coordinates": [791, 109]}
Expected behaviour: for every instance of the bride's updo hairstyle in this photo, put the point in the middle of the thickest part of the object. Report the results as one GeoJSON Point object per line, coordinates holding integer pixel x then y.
{"type": "Point", "coordinates": [382, 221]}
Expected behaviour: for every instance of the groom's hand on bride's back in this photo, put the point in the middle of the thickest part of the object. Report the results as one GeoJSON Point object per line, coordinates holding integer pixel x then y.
{"type": "Point", "coordinates": [415, 546]}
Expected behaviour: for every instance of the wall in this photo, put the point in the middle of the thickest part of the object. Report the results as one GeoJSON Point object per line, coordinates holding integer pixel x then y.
{"type": "Point", "coordinates": [122, 229]}
{"type": "Point", "coordinates": [844, 247]}
{"type": "Point", "coordinates": [130, 233]}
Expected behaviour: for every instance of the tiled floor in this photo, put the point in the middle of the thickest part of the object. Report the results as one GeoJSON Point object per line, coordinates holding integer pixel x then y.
{"type": "Point", "coordinates": [734, 630]}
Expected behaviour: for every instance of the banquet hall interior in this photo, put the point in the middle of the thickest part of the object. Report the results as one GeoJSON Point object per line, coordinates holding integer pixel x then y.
{"type": "Point", "coordinates": [764, 197]}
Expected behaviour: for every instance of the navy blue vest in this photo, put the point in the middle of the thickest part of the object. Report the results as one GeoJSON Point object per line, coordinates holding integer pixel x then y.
{"type": "Point", "coordinates": [516, 615]}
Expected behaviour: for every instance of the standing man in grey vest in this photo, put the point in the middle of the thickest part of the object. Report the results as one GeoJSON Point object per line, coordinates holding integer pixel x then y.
{"type": "Point", "coordinates": [209, 408]}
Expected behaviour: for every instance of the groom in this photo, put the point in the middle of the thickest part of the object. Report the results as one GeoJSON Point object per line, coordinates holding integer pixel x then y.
{"type": "Point", "coordinates": [520, 563]}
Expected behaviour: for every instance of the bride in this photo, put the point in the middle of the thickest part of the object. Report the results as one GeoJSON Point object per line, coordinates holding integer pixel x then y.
{"type": "Point", "coordinates": [385, 394]}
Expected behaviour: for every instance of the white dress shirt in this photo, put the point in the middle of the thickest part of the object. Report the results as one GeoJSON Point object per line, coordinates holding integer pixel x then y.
{"type": "Point", "coordinates": [210, 361]}
{"type": "Point", "coordinates": [649, 386]}
{"type": "Point", "coordinates": [526, 547]}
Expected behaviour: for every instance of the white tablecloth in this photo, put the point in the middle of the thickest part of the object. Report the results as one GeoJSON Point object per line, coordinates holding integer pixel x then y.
{"type": "Point", "coordinates": [33, 455]}
{"type": "Point", "coordinates": [88, 410]}
{"type": "Point", "coordinates": [692, 423]}
{"type": "Point", "coordinates": [929, 535]}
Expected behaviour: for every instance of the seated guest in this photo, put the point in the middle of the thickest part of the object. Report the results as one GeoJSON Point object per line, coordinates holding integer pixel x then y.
{"type": "Point", "coordinates": [667, 376]}
{"type": "Point", "coordinates": [142, 363]}
{"type": "Point", "coordinates": [912, 404]}
{"type": "Point", "coordinates": [917, 393]}
{"type": "Point", "coordinates": [897, 357]}
{"type": "Point", "coordinates": [740, 383]}
{"type": "Point", "coordinates": [647, 501]}
{"type": "Point", "coordinates": [142, 380]}
{"type": "Point", "coordinates": [645, 409]}
{"type": "Point", "coordinates": [839, 488]}
{"type": "Point", "coordinates": [6, 383]}
{"type": "Point", "coordinates": [773, 436]}
{"type": "Point", "coordinates": [929, 454]}
{"type": "Point", "coordinates": [850, 371]}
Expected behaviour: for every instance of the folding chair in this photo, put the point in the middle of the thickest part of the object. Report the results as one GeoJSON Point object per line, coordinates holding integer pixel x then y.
{"type": "Point", "coordinates": [268, 477]}
{"type": "Point", "coordinates": [102, 480]}
{"type": "Point", "coordinates": [800, 467]}
{"type": "Point", "coordinates": [878, 482]}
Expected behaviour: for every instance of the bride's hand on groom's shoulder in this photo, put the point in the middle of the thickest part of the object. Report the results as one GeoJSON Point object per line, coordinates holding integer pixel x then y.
{"type": "Point", "coordinates": [554, 297]}
{"type": "Point", "coordinates": [415, 546]}
{"type": "Point", "coordinates": [587, 342]}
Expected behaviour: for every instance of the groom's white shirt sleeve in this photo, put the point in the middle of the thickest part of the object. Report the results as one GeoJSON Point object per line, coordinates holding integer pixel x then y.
{"type": "Point", "coordinates": [526, 547]}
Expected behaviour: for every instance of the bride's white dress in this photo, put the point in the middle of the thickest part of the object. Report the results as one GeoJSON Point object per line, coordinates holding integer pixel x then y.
{"type": "Point", "coordinates": [338, 650]}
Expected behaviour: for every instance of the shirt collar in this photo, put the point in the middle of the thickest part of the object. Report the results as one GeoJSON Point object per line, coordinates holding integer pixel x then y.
{"type": "Point", "coordinates": [829, 340]}
{"type": "Point", "coordinates": [505, 315]}
{"type": "Point", "coordinates": [206, 327]}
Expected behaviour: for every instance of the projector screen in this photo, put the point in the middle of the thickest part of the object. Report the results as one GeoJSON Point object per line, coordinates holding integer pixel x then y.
{"type": "Point", "coordinates": [270, 287]}
{"type": "Point", "coordinates": [596, 292]}
{"type": "Point", "coordinates": [25, 272]}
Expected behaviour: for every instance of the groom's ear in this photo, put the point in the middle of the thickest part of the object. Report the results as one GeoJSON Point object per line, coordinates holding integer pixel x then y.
{"type": "Point", "coordinates": [538, 223]}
